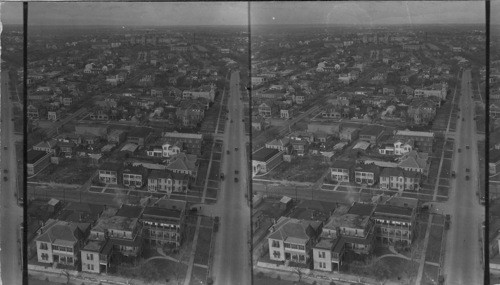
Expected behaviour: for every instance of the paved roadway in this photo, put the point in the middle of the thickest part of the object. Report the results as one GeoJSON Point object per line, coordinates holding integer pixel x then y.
{"type": "Point", "coordinates": [462, 263]}
{"type": "Point", "coordinates": [10, 212]}
{"type": "Point", "coordinates": [232, 251]}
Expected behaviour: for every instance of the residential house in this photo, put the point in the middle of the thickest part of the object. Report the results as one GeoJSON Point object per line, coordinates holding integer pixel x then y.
{"type": "Point", "coordinates": [60, 242]}
{"type": "Point", "coordinates": [110, 173]}
{"type": "Point", "coordinates": [116, 136]}
{"type": "Point", "coordinates": [96, 256]}
{"type": "Point", "coordinates": [398, 147]}
{"type": "Point", "coordinates": [37, 160]}
{"type": "Point", "coordinates": [139, 135]}
{"type": "Point", "coordinates": [191, 142]}
{"type": "Point", "coordinates": [183, 163]}
{"type": "Point", "coordinates": [422, 111]}
{"type": "Point", "coordinates": [265, 159]}
{"type": "Point", "coordinates": [395, 223]}
{"type": "Point", "coordinates": [292, 240]}
{"type": "Point", "coordinates": [399, 179]}
{"type": "Point", "coordinates": [48, 146]}
{"type": "Point", "coordinates": [366, 174]}
{"type": "Point", "coordinates": [264, 110]}
{"type": "Point", "coordinates": [422, 140]}
{"type": "Point", "coordinates": [371, 134]}
{"type": "Point", "coordinates": [134, 176]}
{"type": "Point", "coordinates": [279, 144]}
{"type": "Point", "coordinates": [415, 161]}
{"type": "Point", "coordinates": [342, 170]}
{"type": "Point", "coordinates": [349, 134]}
{"type": "Point", "coordinates": [164, 223]}
{"type": "Point", "coordinates": [167, 181]}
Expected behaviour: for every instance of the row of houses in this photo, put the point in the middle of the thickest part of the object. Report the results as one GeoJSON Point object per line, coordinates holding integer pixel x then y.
{"type": "Point", "coordinates": [323, 245]}
{"type": "Point", "coordinates": [115, 231]}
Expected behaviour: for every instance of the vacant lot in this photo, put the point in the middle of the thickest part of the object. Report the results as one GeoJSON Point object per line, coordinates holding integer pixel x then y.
{"type": "Point", "coordinates": [154, 270]}
{"type": "Point", "coordinates": [69, 171]}
{"type": "Point", "coordinates": [430, 275]}
{"type": "Point", "coordinates": [303, 169]}
{"type": "Point", "coordinates": [198, 276]}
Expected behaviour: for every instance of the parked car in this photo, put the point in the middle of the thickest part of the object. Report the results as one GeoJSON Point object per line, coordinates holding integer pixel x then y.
{"type": "Point", "coordinates": [216, 223]}
{"type": "Point", "coordinates": [5, 148]}
{"type": "Point", "coordinates": [5, 171]}
{"type": "Point", "coordinates": [236, 179]}
{"type": "Point", "coordinates": [236, 149]}
{"type": "Point", "coordinates": [222, 176]}
{"type": "Point", "coordinates": [467, 147]}
{"type": "Point", "coordinates": [467, 177]}
{"type": "Point", "coordinates": [459, 150]}
{"type": "Point", "coordinates": [227, 151]}
{"type": "Point", "coordinates": [5, 178]}
{"type": "Point", "coordinates": [236, 172]}
{"type": "Point", "coordinates": [467, 170]}
{"type": "Point", "coordinates": [453, 174]}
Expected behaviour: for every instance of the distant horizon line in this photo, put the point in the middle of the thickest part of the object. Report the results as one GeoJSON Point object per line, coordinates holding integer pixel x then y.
{"type": "Point", "coordinates": [246, 25]}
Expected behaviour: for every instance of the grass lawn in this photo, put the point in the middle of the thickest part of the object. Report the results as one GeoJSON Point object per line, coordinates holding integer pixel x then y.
{"type": "Point", "coordinates": [68, 171]}
{"type": "Point", "coordinates": [211, 193]}
{"type": "Point", "coordinates": [438, 219]}
{"type": "Point", "coordinates": [203, 246]}
{"type": "Point", "coordinates": [217, 156]}
{"type": "Point", "coordinates": [213, 184]}
{"type": "Point", "coordinates": [446, 168]}
{"type": "Point", "coordinates": [448, 154]}
{"type": "Point", "coordinates": [154, 270]}
{"type": "Point", "coordinates": [261, 279]}
{"type": "Point", "coordinates": [198, 276]}
{"type": "Point", "coordinates": [214, 171]}
{"type": "Point", "coordinates": [202, 172]}
{"type": "Point", "coordinates": [95, 189]}
{"type": "Point", "coordinates": [444, 182]}
{"type": "Point", "coordinates": [430, 275]}
{"type": "Point", "coordinates": [443, 190]}
{"type": "Point", "coordinates": [434, 246]}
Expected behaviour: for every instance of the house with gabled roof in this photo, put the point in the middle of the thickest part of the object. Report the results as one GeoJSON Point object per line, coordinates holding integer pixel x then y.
{"type": "Point", "coordinates": [291, 240]}
{"type": "Point", "coordinates": [279, 144]}
{"type": "Point", "coordinates": [183, 163]}
{"type": "Point", "coordinates": [415, 161]}
{"type": "Point", "coordinates": [60, 242]}
{"type": "Point", "coordinates": [49, 146]}
{"type": "Point", "coordinates": [394, 223]}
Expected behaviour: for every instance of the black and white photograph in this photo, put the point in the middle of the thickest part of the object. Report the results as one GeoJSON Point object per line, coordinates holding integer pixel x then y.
{"type": "Point", "coordinates": [251, 142]}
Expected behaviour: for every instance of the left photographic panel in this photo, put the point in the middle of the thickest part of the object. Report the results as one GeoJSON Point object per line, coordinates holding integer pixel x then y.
{"type": "Point", "coordinates": [131, 108]}
{"type": "Point", "coordinates": [11, 143]}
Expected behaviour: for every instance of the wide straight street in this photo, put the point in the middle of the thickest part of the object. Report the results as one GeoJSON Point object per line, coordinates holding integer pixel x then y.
{"type": "Point", "coordinates": [463, 253]}
{"type": "Point", "coordinates": [232, 250]}
{"type": "Point", "coordinates": [10, 212]}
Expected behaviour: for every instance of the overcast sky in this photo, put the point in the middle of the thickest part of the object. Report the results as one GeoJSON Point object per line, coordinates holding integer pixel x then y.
{"type": "Point", "coordinates": [11, 12]}
{"type": "Point", "coordinates": [236, 13]}
{"type": "Point", "coordinates": [147, 14]}
{"type": "Point", "coordinates": [368, 13]}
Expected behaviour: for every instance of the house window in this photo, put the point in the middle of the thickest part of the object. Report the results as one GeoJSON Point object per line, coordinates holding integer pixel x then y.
{"type": "Point", "coordinates": [321, 254]}
{"type": "Point", "coordinates": [302, 258]}
{"type": "Point", "coordinates": [275, 243]}
{"type": "Point", "coordinates": [45, 256]}
{"type": "Point", "coordinates": [90, 256]}
{"type": "Point", "coordinates": [276, 254]}
{"type": "Point", "coordinates": [43, 246]}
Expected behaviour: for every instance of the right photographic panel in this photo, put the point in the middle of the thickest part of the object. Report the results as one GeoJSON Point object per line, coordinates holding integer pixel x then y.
{"type": "Point", "coordinates": [368, 142]}
{"type": "Point", "coordinates": [493, 226]}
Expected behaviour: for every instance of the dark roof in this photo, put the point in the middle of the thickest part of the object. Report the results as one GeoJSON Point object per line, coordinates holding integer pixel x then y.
{"type": "Point", "coordinates": [111, 166]}
{"type": "Point", "coordinates": [343, 164]}
{"type": "Point", "coordinates": [371, 130]}
{"type": "Point", "coordinates": [129, 211]}
{"type": "Point", "coordinates": [161, 212]}
{"type": "Point", "coordinates": [361, 209]}
{"type": "Point", "coordinates": [139, 132]}
{"type": "Point", "coordinates": [367, 168]}
{"type": "Point", "coordinates": [393, 210]}
{"type": "Point", "coordinates": [264, 154]}
{"type": "Point", "coordinates": [35, 155]}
